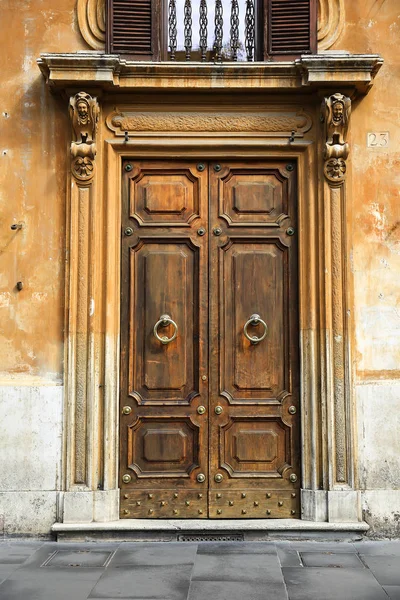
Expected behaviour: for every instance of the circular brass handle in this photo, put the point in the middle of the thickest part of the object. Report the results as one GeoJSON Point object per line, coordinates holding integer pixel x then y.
{"type": "Point", "coordinates": [127, 410]}
{"type": "Point", "coordinates": [201, 477]}
{"type": "Point", "coordinates": [126, 478]}
{"type": "Point", "coordinates": [218, 478]}
{"type": "Point", "coordinates": [164, 321]}
{"type": "Point", "coordinates": [201, 410]}
{"type": "Point", "coordinates": [255, 320]}
{"type": "Point", "coordinates": [218, 410]}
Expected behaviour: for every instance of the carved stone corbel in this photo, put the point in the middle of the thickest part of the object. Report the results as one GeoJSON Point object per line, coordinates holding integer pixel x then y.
{"type": "Point", "coordinates": [336, 114]}
{"type": "Point", "coordinates": [84, 114]}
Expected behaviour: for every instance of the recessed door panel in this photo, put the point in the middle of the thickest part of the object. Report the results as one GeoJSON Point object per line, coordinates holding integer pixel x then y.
{"type": "Point", "coordinates": [253, 371]}
{"type": "Point", "coordinates": [164, 275]}
{"type": "Point", "coordinates": [255, 196]}
{"type": "Point", "coordinates": [163, 447]}
{"type": "Point", "coordinates": [161, 199]}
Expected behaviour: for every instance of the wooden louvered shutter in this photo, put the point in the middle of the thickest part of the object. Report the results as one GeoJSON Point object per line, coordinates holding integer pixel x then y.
{"type": "Point", "coordinates": [291, 28]}
{"type": "Point", "coordinates": [133, 28]}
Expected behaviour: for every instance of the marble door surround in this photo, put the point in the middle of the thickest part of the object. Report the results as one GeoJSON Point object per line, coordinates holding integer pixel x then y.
{"type": "Point", "coordinates": [299, 111]}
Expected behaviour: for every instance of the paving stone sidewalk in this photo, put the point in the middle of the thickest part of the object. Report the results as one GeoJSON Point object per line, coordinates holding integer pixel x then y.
{"type": "Point", "coordinates": [200, 571]}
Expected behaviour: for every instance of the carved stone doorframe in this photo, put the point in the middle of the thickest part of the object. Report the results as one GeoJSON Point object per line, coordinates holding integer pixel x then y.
{"type": "Point", "coordinates": [93, 299]}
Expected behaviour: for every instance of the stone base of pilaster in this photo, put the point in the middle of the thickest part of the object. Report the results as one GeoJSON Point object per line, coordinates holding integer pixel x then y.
{"type": "Point", "coordinates": [88, 507]}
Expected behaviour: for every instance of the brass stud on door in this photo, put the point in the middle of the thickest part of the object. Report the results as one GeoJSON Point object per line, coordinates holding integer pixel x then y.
{"type": "Point", "coordinates": [293, 478]}
{"type": "Point", "coordinates": [218, 496]}
{"type": "Point", "coordinates": [126, 478]}
{"type": "Point", "coordinates": [128, 231]}
{"type": "Point", "coordinates": [218, 410]}
{"type": "Point", "coordinates": [292, 410]}
{"type": "Point", "coordinates": [201, 410]}
{"type": "Point", "coordinates": [219, 511]}
{"type": "Point", "coordinates": [201, 477]}
{"type": "Point", "coordinates": [218, 477]}
{"type": "Point", "coordinates": [217, 168]}
{"type": "Point", "coordinates": [201, 231]}
{"type": "Point", "coordinates": [201, 167]}
{"type": "Point", "coordinates": [128, 167]}
{"type": "Point", "coordinates": [230, 502]}
{"type": "Point", "coordinates": [127, 410]}
{"type": "Point", "coordinates": [290, 231]}
{"type": "Point", "coordinates": [217, 231]}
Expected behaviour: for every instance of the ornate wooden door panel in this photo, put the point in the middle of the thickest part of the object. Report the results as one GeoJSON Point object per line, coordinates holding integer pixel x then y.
{"type": "Point", "coordinates": [254, 386]}
{"type": "Point", "coordinates": [235, 221]}
{"type": "Point", "coordinates": [164, 439]}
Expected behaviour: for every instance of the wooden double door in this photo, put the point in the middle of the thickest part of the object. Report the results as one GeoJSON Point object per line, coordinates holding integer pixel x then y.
{"type": "Point", "coordinates": [209, 424]}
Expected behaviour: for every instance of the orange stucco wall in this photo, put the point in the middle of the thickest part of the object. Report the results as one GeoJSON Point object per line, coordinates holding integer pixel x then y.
{"type": "Point", "coordinates": [34, 131]}
{"type": "Point", "coordinates": [34, 139]}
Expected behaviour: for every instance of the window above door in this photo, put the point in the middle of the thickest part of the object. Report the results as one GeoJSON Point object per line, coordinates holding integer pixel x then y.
{"type": "Point", "coordinates": [211, 30]}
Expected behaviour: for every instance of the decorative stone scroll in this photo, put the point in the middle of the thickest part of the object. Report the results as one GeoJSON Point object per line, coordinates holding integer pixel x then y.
{"type": "Point", "coordinates": [331, 16]}
{"type": "Point", "coordinates": [336, 114]}
{"type": "Point", "coordinates": [84, 113]}
{"type": "Point", "coordinates": [91, 22]}
{"type": "Point", "coordinates": [282, 123]}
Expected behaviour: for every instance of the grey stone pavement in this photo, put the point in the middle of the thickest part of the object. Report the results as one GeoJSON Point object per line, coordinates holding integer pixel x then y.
{"type": "Point", "coordinates": [365, 570]}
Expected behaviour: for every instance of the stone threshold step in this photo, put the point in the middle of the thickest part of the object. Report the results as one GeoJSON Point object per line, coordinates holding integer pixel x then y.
{"type": "Point", "coordinates": [177, 529]}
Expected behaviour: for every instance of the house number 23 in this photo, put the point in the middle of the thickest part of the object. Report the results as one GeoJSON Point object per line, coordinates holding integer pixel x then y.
{"type": "Point", "coordinates": [378, 139]}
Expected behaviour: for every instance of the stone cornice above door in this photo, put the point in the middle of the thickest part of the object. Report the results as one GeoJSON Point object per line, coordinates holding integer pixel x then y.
{"type": "Point", "coordinates": [89, 70]}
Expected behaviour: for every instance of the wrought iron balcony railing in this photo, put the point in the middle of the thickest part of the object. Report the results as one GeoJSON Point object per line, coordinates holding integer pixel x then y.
{"type": "Point", "coordinates": [212, 30]}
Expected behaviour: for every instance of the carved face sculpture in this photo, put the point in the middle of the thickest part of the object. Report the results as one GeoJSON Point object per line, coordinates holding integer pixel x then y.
{"type": "Point", "coordinates": [83, 111]}
{"type": "Point", "coordinates": [337, 112]}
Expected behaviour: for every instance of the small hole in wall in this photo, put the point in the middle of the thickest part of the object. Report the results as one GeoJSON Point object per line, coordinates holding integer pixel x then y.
{"type": "Point", "coordinates": [5, 115]}
{"type": "Point", "coordinates": [4, 152]}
